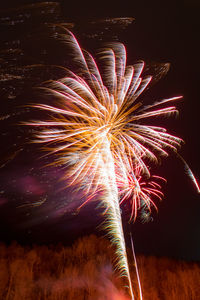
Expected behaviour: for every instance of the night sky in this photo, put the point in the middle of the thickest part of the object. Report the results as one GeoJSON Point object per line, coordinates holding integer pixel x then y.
{"type": "Point", "coordinates": [35, 206]}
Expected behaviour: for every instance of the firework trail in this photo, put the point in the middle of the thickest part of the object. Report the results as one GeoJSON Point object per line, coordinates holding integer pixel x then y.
{"type": "Point", "coordinates": [136, 267]}
{"type": "Point", "coordinates": [95, 131]}
{"type": "Point", "coordinates": [189, 173]}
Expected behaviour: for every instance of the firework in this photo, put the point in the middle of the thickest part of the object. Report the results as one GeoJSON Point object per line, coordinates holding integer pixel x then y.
{"type": "Point", "coordinates": [136, 267]}
{"type": "Point", "coordinates": [95, 131]}
{"type": "Point", "coordinates": [140, 193]}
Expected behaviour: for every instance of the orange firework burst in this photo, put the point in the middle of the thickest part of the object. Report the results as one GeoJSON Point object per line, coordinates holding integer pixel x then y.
{"type": "Point", "coordinates": [95, 113]}
{"type": "Point", "coordinates": [95, 130]}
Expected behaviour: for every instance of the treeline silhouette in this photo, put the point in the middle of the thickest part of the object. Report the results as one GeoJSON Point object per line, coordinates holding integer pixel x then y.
{"type": "Point", "coordinates": [85, 271]}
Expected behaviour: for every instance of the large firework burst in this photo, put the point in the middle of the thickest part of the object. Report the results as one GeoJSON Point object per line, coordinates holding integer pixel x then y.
{"type": "Point", "coordinates": [96, 130]}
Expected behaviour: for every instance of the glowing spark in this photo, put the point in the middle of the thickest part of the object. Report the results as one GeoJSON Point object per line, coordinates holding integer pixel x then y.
{"type": "Point", "coordinates": [94, 131]}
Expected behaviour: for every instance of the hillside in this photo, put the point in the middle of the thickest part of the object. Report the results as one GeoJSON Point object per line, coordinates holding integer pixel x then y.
{"type": "Point", "coordinates": [85, 271]}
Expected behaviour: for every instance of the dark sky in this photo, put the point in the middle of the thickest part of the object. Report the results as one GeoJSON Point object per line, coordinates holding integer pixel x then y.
{"type": "Point", "coordinates": [162, 32]}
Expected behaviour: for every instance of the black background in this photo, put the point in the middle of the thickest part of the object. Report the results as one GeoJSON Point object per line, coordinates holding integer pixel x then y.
{"type": "Point", "coordinates": [163, 31]}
